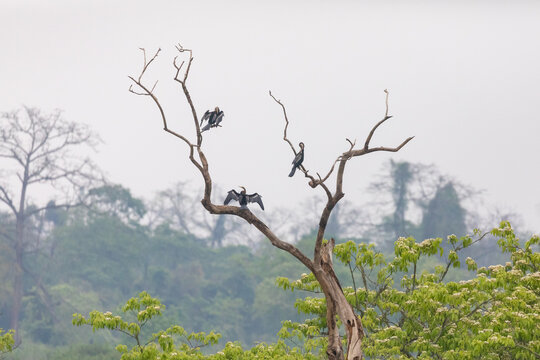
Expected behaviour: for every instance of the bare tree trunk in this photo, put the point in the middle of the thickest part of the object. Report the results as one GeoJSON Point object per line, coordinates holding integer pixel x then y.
{"type": "Point", "coordinates": [334, 349]}
{"type": "Point", "coordinates": [337, 305]}
{"type": "Point", "coordinates": [18, 279]}
{"type": "Point", "coordinates": [321, 265]}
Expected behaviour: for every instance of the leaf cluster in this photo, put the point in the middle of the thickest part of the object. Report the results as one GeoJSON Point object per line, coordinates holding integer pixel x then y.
{"type": "Point", "coordinates": [408, 313]}
{"type": "Point", "coordinates": [175, 343]}
{"type": "Point", "coordinates": [7, 341]}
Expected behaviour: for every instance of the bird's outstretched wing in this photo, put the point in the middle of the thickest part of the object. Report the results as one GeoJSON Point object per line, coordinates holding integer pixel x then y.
{"type": "Point", "coordinates": [231, 195]}
{"type": "Point", "coordinates": [206, 127]}
{"type": "Point", "coordinates": [256, 198]}
{"type": "Point", "coordinates": [205, 116]}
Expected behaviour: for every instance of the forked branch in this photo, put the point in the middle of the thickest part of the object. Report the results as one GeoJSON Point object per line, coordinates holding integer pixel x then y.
{"type": "Point", "coordinates": [182, 82]}
{"type": "Point", "coordinates": [202, 164]}
{"type": "Point", "coordinates": [150, 92]}
{"type": "Point", "coordinates": [347, 155]}
{"type": "Point", "coordinates": [313, 182]}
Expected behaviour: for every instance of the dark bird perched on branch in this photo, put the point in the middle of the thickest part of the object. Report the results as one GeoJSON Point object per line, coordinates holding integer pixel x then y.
{"type": "Point", "coordinates": [244, 198]}
{"type": "Point", "coordinates": [213, 117]}
{"type": "Point", "coordinates": [298, 159]}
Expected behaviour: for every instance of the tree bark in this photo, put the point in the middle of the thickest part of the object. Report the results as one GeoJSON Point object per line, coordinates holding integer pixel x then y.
{"type": "Point", "coordinates": [19, 253]}
{"type": "Point", "coordinates": [337, 305]}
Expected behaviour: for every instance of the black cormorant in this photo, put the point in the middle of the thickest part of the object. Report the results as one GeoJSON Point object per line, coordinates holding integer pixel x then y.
{"type": "Point", "coordinates": [298, 159]}
{"type": "Point", "coordinates": [244, 198]}
{"type": "Point", "coordinates": [213, 117]}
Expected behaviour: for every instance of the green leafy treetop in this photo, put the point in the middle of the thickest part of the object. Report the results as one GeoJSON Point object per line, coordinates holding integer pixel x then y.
{"type": "Point", "coordinates": [493, 315]}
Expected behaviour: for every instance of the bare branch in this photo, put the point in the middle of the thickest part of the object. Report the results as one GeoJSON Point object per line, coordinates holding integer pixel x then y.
{"type": "Point", "coordinates": [386, 102]}
{"type": "Point", "coordinates": [6, 199]}
{"type": "Point", "coordinates": [136, 92]}
{"type": "Point", "coordinates": [286, 121]}
{"type": "Point", "coordinates": [352, 143]}
{"type": "Point", "coordinates": [331, 170]}
{"type": "Point", "coordinates": [147, 64]}
{"type": "Point", "coordinates": [252, 219]}
{"type": "Point", "coordinates": [386, 117]}
{"type": "Point", "coordinates": [153, 87]}
{"type": "Point", "coordinates": [313, 182]}
{"type": "Point", "coordinates": [383, 148]}
{"type": "Point", "coordinates": [150, 93]}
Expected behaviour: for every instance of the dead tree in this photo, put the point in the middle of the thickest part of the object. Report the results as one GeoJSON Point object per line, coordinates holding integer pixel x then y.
{"type": "Point", "coordinates": [36, 150]}
{"type": "Point", "coordinates": [321, 263]}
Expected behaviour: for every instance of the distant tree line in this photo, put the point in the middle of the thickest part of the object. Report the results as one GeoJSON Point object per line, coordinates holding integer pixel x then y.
{"type": "Point", "coordinates": [92, 244]}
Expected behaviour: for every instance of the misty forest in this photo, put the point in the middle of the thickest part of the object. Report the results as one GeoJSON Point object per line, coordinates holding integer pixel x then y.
{"type": "Point", "coordinates": [414, 268]}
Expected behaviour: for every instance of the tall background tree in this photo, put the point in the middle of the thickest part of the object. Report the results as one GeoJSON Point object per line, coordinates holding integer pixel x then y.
{"type": "Point", "coordinates": [39, 158]}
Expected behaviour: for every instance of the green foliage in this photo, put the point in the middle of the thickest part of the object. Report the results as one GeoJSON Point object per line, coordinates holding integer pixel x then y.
{"type": "Point", "coordinates": [161, 344]}
{"type": "Point", "coordinates": [411, 314]}
{"type": "Point", "coordinates": [97, 261]}
{"type": "Point", "coordinates": [174, 342]}
{"type": "Point", "coordinates": [6, 341]}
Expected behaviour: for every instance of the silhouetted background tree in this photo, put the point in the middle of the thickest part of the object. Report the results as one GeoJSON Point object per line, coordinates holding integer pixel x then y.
{"type": "Point", "coordinates": [37, 150]}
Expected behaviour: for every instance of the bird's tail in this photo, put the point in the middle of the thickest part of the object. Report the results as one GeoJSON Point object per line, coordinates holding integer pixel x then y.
{"type": "Point", "coordinates": [206, 127]}
{"type": "Point", "coordinates": [292, 171]}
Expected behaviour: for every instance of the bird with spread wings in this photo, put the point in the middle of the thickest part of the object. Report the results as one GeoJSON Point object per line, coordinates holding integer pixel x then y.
{"type": "Point", "coordinates": [243, 198]}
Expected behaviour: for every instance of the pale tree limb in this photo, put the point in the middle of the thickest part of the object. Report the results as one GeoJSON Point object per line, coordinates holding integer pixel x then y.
{"type": "Point", "coordinates": [313, 182]}
{"type": "Point", "coordinates": [185, 89]}
{"type": "Point", "coordinates": [6, 199]}
{"type": "Point", "coordinates": [149, 92]}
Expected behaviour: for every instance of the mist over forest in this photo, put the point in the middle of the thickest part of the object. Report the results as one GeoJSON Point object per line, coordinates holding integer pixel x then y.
{"type": "Point", "coordinates": [145, 207]}
{"type": "Point", "coordinates": [96, 245]}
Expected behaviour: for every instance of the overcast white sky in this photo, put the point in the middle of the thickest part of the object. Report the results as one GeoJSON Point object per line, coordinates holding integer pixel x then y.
{"type": "Point", "coordinates": [463, 77]}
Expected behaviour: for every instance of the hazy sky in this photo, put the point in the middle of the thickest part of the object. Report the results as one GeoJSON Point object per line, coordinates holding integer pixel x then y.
{"type": "Point", "coordinates": [464, 78]}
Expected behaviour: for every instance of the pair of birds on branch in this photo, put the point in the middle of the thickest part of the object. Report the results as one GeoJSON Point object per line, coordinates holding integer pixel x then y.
{"type": "Point", "coordinates": [213, 119]}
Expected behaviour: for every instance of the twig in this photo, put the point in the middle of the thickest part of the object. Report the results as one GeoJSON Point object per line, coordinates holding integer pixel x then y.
{"type": "Point", "coordinates": [313, 182]}
{"type": "Point", "coordinates": [150, 93]}
{"type": "Point", "coordinates": [182, 82]}
{"type": "Point", "coordinates": [386, 117]}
